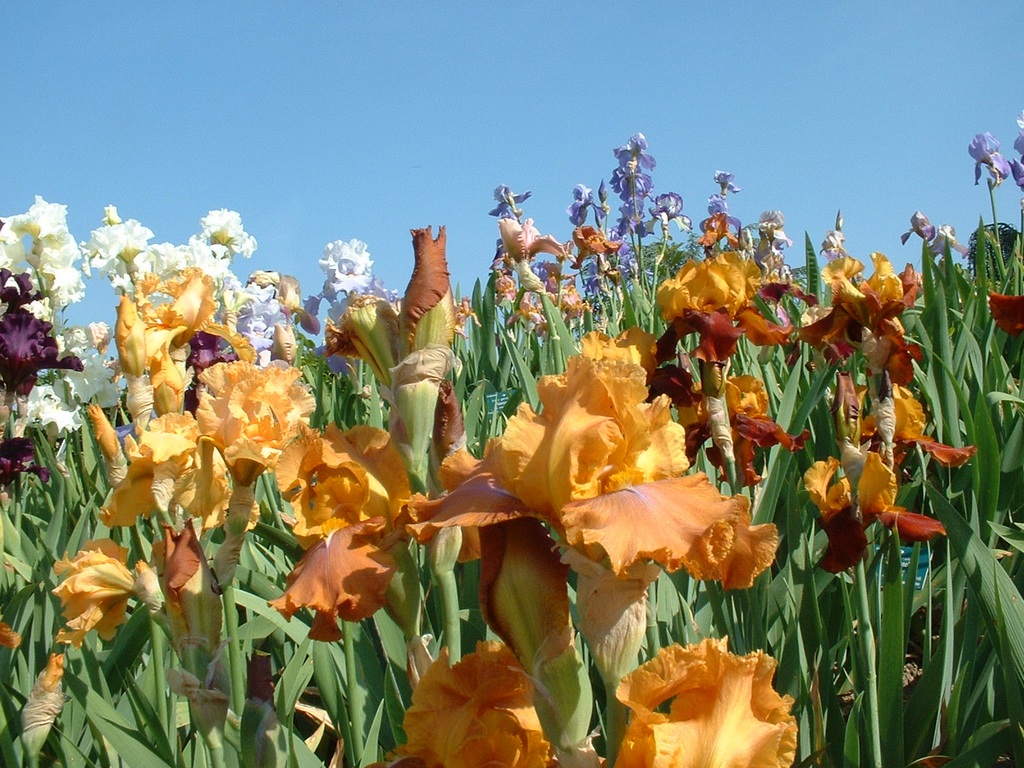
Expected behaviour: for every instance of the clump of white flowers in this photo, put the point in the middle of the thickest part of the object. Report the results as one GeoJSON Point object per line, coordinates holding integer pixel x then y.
{"type": "Point", "coordinates": [38, 242]}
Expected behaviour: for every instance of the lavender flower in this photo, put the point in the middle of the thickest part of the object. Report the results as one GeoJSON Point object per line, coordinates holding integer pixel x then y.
{"type": "Point", "coordinates": [832, 247]}
{"type": "Point", "coordinates": [1018, 145]}
{"type": "Point", "coordinates": [633, 184]}
{"type": "Point", "coordinates": [17, 457]}
{"type": "Point", "coordinates": [1017, 171]}
{"type": "Point", "coordinates": [920, 226]}
{"type": "Point", "coordinates": [724, 180]}
{"type": "Point", "coordinates": [668, 207]}
{"type": "Point", "coordinates": [946, 238]}
{"type": "Point", "coordinates": [582, 199]}
{"type": "Point", "coordinates": [508, 202]}
{"type": "Point", "coordinates": [984, 148]}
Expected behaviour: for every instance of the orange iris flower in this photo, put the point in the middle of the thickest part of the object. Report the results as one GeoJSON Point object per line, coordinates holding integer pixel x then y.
{"type": "Point", "coordinates": [251, 413]}
{"type": "Point", "coordinates": [164, 466]}
{"type": "Point", "coordinates": [713, 298]}
{"type": "Point", "coordinates": [844, 523]}
{"type": "Point", "coordinates": [602, 467]}
{"type": "Point", "coordinates": [347, 490]}
{"type": "Point", "coordinates": [703, 706]}
{"type": "Point", "coordinates": [477, 713]}
{"type": "Point", "coordinates": [865, 315]}
{"type": "Point", "coordinates": [1008, 312]}
{"type": "Point", "coordinates": [910, 426]}
{"type": "Point", "coordinates": [95, 591]}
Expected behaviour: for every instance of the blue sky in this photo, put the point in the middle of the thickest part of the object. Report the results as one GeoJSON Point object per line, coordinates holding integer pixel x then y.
{"type": "Point", "coordinates": [324, 121]}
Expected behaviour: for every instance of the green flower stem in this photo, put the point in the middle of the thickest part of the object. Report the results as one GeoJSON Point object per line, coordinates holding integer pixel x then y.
{"type": "Point", "coordinates": [215, 749]}
{"type": "Point", "coordinates": [443, 554]}
{"type": "Point", "coordinates": [653, 636]}
{"type": "Point", "coordinates": [869, 684]}
{"type": "Point", "coordinates": [354, 693]}
{"type": "Point", "coordinates": [1000, 262]}
{"type": "Point", "coordinates": [236, 663]}
{"type": "Point", "coordinates": [616, 717]}
{"type": "Point", "coordinates": [158, 648]}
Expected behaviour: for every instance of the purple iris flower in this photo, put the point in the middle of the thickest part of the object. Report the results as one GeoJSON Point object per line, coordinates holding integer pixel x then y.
{"type": "Point", "coordinates": [205, 351]}
{"type": "Point", "coordinates": [582, 199]}
{"type": "Point", "coordinates": [668, 207]}
{"type": "Point", "coordinates": [602, 209]}
{"type": "Point", "coordinates": [16, 290]}
{"type": "Point", "coordinates": [632, 184]}
{"type": "Point", "coordinates": [984, 148]}
{"type": "Point", "coordinates": [26, 348]}
{"type": "Point", "coordinates": [17, 457]}
{"type": "Point", "coordinates": [1017, 171]}
{"type": "Point", "coordinates": [920, 226]}
{"type": "Point", "coordinates": [627, 259]}
{"type": "Point", "coordinates": [724, 180]}
{"type": "Point", "coordinates": [507, 201]}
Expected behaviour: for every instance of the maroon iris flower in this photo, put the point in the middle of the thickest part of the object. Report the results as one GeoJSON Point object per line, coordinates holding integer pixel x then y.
{"type": "Point", "coordinates": [16, 290]}
{"type": "Point", "coordinates": [17, 456]}
{"type": "Point", "coordinates": [26, 348]}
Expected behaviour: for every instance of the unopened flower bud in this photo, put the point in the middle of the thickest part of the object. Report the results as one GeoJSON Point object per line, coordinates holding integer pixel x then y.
{"type": "Point", "coordinates": [284, 343]}
{"type": "Point", "coordinates": [43, 705]}
{"type": "Point", "coordinates": [110, 217]}
{"type": "Point", "coordinates": [130, 337]}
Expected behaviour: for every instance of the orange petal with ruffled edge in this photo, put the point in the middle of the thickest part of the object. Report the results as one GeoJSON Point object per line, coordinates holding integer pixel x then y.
{"type": "Point", "coordinates": [95, 591]}
{"type": "Point", "coordinates": [479, 501]}
{"type": "Point", "coordinates": [680, 522]}
{"type": "Point", "coordinates": [476, 713]}
{"type": "Point", "coordinates": [342, 575]}
{"type": "Point", "coordinates": [1008, 312]}
{"type": "Point", "coordinates": [723, 711]}
{"type": "Point", "coordinates": [634, 345]}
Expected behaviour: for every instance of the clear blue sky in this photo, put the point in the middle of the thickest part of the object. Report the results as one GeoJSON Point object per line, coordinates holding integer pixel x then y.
{"type": "Point", "coordinates": [324, 121]}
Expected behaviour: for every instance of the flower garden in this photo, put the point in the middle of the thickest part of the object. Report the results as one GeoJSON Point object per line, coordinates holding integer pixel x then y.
{"type": "Point", "coordinates": [655, 493]}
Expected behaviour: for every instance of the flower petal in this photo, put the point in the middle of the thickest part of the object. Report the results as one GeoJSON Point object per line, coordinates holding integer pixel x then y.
{"type": "Point", "coordinates": [342, 575]}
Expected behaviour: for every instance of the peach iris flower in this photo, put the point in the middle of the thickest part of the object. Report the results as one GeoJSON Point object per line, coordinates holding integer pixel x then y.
{"type": "Point", "coordinates": [844, 522]}
{"type": "Point", "coordinates": [347, 489]}
{"type": "Point", "coordinates": [714, 299]}
{"type": "Point", "coordinates": [634, 345]}
{"type": "Point", "coordinates": [251, 413]}
{"type": "Point", "coordinates": [602, 467]}
{"type": "Point", "coordinates": [476, 713]}
{"type": "Point", "coordinates": [703, 706]}
{"type": "Point", "coordinates": [164, 464]}
{"type": "Point", "coordinates": [95, 591]}
{"type": "Point", "coordinates": [190, 309]}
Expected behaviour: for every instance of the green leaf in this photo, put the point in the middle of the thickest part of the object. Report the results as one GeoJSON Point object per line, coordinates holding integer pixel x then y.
{"type": "Point", "coordinates": [371, 747]}
{"type": "Point", "coordinates": [129, 743]}
{"type": "Point", "coordinates": [812, 272]}
{"type": "Point", "coordinates": [988, 582]}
